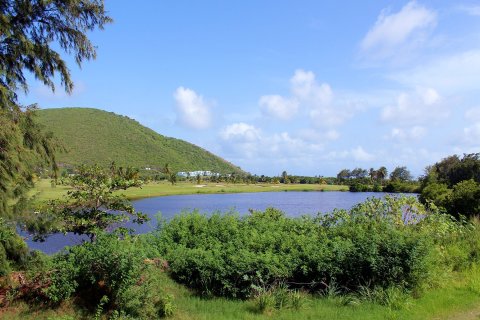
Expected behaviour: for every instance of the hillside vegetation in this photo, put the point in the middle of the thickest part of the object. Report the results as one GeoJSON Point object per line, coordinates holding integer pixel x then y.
{"type": "Point", "coordinates": [96, 136]}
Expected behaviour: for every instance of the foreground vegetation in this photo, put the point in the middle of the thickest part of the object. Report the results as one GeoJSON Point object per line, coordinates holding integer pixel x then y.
{"type": "Point", "coordinates": [377, 260]}
{"type": "Point", "coordinates": [455, 300]}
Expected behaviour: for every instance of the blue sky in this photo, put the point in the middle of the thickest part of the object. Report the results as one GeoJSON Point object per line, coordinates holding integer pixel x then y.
{"type": "Point", "coordinates": [310, 87]}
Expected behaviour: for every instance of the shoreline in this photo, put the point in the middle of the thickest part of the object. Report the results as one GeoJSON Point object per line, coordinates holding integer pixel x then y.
{"type": "Point", "coordinates": [43, 191]}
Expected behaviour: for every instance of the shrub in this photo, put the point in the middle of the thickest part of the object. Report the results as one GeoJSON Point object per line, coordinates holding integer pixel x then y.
{"type": "Point", "coordinates": [375, 244]}
{"type": "Point", "coordinates": [109, 272]}
{"type": "Point", "coordinates": [465, 198]}
{"type": "Point", "coordinates": [13, 250]}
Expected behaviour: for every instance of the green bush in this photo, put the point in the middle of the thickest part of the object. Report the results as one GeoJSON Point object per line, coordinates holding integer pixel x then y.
{"type": "Point", "coordinates": [375, 244]}
{"type": "Point", "coordinates": [111, 273]}
{"type": "Point", "coordinates": [396, 186]}
{"type": "Point", "coordinates": [465, 198]}
{"type": "Point", "coordinates": [13, 250]}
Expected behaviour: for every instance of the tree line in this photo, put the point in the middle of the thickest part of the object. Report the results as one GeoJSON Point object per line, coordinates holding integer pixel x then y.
{"type": "Point", "coordinates": [359, 179]}
{"type": "Point", "coordinates": [453, 184]}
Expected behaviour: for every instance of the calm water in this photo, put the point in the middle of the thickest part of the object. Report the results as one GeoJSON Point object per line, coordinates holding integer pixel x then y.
{"type": "Point", "coordinates": [292, 203]}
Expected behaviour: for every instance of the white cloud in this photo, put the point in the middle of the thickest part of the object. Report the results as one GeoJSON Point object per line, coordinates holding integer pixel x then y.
{"type": "Point", "coordinates": [356, 154]}
{"type": "Point", "coordinates": [471, 134]}
{"type": "Point", "coordinates": [278, 106]}
{"type": "Point", "coordinates": [315, 99]}
{"type": "Point", "coordinates": [242, 140]}
{"type": "Point", "coordinates": [359, 154]}
{"type": "Point", "coordinates": [318, 100]}
{"type": "Point", "coordinates": [311, 135]}
{"type": "Point", "coordinates": [192, 111]}
{"type": "Point", "coordinates": [419, 107]}
{"type": "Point", "coordinates": [306, 88]}
{"type": "Point", "coordinates": [394, 31]}
{"type": "Point", "coordinates": [407, 135]}
{"type": "Point", "coordinates": [451, 74]}
{"type": "Point", "coordinates": [241, 132]}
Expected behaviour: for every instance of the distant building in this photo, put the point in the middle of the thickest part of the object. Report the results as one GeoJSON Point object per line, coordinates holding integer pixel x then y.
{"type": "Point", "coordinates": [202, 173]}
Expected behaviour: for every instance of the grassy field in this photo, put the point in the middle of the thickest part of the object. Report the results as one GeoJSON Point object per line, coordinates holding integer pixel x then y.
{"type": "Point", "coordinates": [44, 191]}
{"type": "Point", "coordinates": [457, 299]}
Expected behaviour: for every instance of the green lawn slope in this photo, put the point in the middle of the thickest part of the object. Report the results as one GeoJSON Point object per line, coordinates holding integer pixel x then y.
{"type": "Point", "coordinates": [95, 136]}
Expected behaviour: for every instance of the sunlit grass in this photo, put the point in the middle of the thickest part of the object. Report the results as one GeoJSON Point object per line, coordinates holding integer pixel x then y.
{"type": "Point", "coordinates": [44, 191]}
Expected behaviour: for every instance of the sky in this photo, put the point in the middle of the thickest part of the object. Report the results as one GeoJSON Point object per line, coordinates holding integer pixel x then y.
{"type": "Point", "coordinates": [310, 87]}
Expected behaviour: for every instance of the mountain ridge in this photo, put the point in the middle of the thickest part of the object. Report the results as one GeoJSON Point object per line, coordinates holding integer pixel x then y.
{"type": "Point", "coordinates": [94, 136]}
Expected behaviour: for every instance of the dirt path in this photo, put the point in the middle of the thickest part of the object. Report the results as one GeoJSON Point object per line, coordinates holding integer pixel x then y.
{"type": "Point", "coordinates": [473, 314]}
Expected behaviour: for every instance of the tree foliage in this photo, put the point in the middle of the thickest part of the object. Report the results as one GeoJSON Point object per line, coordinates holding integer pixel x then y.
{"type": "Point", "coordinates": [28, 30]}
{"type": "Point", "coordinates": [401, 174]}
{"type": "Point", "coordinates": [93, 205]}
{"type": "Point", "coordinates": [454, 184]}
{"type": "Point", "coordinates": [24, 148]}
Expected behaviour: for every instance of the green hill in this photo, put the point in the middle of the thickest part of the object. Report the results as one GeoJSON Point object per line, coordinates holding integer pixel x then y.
{"type": "Point", "coordinates": [95, 136]}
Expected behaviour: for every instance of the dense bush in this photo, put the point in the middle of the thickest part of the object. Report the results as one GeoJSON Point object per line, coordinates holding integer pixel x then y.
{"type": "Point", "coordinates": [454, 185]}
{"type": "Point", "coordinates": [110, 272]}
{"type": "Point", "coordinates": [13, 250]}
{"type": "Point", "coordinates": [377, 244]}
{"type": "Point", "coordinates": [402, 186]}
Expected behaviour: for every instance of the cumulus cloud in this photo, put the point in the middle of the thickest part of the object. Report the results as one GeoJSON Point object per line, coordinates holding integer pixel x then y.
{"type": "Point", "coordinates": [359, 154]}
{"type": "Point", "coordinates": [278, 106]}
{"type": "Point", "coordinates": [315, 136]}
{"type": "Point", "coordinates": [407, 135]}
{"type": "Point", "coordinates": [317, 101]}
{"type": "Point", "coordinates": [471, 134]}
{"type": "Point", "coordinates": [394, 31]}
{"type": "Point", "coordinates": [422, 106]}
{"type": "Point", "coordinates": [192, 111]}
{"type": "Point", "coordinates": [247, 141]}
{"type": "Point", "coordinates": [306, 88]}
{"type": "Point", "coordinates": [241, 132]}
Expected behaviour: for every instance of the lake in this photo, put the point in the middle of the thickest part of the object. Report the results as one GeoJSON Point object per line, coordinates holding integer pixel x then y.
{"type": "Point", "coordinates": [292, 203]}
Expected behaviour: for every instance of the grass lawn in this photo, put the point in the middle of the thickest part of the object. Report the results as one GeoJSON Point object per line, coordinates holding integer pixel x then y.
{"type": "Point", "coordinates": [44, 191]}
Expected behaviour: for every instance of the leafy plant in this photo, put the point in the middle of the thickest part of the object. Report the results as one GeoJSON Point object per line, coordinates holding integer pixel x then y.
{"type": "Point", "coordinates": [93, 206]}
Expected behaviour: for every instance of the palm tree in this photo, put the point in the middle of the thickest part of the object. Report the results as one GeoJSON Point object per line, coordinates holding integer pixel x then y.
{"type": "Point", "coordinates": [382, 173]}
{"type": "Point", "coordinates": [285, 177]}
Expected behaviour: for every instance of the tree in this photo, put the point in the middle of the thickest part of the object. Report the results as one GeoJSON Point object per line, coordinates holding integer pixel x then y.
{"type": "Point", "coordinates": [285, 177]}
{"type": "Point", "coordinates": [171, 176]}
{"type": "Point", "coordinates": [344, 174]}
{"type": "Point", "coordinates": [401, 174]}
{"type": "Point", "coordinates": [28, 28]}
{"type": "Point", "coordinates": [382, 173]}
{"type": "Point", "coordinates": [92, 206]}
{"type": "Point", "coordinates": [454, 184]}
{"type": "Point", "coordinates": [465, 198]}
{"type": "Point", "coordinates": [359, 173]}
{"type": "Point", "coordinates": [24, 148]}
